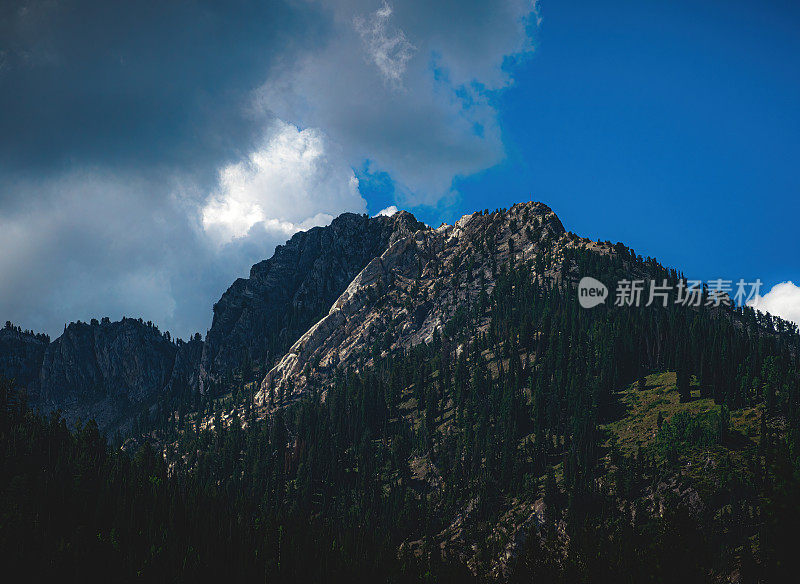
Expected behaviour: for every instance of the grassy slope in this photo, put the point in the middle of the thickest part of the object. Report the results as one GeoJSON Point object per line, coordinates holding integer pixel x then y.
{"type": "Point", "coordinates": [639, 425]}
{"type": "Point", "coordinates": [705, 467]}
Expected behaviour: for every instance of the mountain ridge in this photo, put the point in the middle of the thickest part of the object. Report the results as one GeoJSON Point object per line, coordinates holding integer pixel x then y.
{"type": "Point", "coordinates": [263, 314]}
{"type": "Point", "coordinates": [458, 405]}
{"type": "Point", "coordinates": [255, 317]}
{"type": "Point", "coordinates": [426, 252]}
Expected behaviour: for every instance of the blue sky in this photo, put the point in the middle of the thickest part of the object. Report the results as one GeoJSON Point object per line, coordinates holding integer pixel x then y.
{"type": "Point", "coordinates": [150, 153]}
{"type": "Point", "coordinates": [673, 127]}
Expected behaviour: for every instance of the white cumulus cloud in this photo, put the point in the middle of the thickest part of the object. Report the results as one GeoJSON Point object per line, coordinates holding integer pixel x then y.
{"type": "Point", "coordinates": [294, 181]}
{"type": "Point", "coordinates": [783, 300]}
{"type": "Point", "coordinates": [408, 88]}
{"type": "Point", "coordinates": [387, 212]}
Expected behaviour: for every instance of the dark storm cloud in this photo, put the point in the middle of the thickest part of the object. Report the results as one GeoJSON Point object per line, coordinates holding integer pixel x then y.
{"type": "Point", "coordinates": [115, 118]}
{"type": "Point", "coordinates": [150, 152]}
{"type": "Point", "coordinates": [137, 83]}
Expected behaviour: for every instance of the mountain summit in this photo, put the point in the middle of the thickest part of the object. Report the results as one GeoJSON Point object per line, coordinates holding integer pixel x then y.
{"type": "Point", "coordinates": [259, 317]}
{"type": "Point", "coordinates": [413, 289]}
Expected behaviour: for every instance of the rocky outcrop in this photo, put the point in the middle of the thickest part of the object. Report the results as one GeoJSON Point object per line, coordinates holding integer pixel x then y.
{"type": "Point", "coordinates": [186, 371]}
{"type": "Point", "coordinates": [109, 358]}
{"type": "Point", "coordinates": [105, 370]}
{"type": "Point", "coordinates": [414, 288]}
{"type": "Point", "coordinates": [21, 354]}
{"type": "Point", "coordinates": [259, 317]}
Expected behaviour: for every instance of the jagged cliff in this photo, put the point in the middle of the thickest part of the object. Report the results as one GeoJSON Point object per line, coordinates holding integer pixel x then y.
{"type": "Point", "coordinates": [104, 370]}
{"type": "Point", "coordinates": [327, 300]}
{"type": "Point", "coordinates": [323, 299]}
{"type": "Point", "coordinates": [259, 317]}
{"type": "Point", "coordinates": [114, 371]}
{"type": "Point", "coordinates": [414, 288]}
{"type": "Point", "coordinates": [21, 354]}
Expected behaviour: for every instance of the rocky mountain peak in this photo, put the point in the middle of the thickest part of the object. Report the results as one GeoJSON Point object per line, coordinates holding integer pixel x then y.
{"type": "Point", "coordinates": [259, 317]}
{"type": "Point", "coordinates": [322, 299]}
{"type": "Point", "coordinates": [407, 293]}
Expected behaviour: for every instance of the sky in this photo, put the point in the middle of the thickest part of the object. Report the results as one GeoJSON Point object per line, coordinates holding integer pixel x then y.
{"type": "Point", "coordinates": [151, 152]}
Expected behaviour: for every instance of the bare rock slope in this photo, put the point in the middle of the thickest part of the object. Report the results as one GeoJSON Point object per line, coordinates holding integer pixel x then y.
{"type": "Point", "coordinates": [414, 288]}
{"type": "Point", "coordinates": [259, 317]}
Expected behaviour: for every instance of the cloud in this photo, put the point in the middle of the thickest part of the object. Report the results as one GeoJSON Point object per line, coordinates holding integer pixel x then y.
{"type": "Point", "coordinates": [295, 180]}
{"type": "Point", "coordinates": [387, 47]}
{"type": "Point", "coordinates": [87, 244]}
{"type": "Point", "coordinates": [387, 212]}
{"type": "Point", "coordinates": [133, 84]}
{"type": "Point", "coordinates": [151, 152]}
{"type": "Point", "coordinates": [782, 300]}
{"type": "Point", "coordinates": [440, 122]}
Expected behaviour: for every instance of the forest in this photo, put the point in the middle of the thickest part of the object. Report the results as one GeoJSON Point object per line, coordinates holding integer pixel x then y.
{"type": "Point", "coordinates": [403, 472]}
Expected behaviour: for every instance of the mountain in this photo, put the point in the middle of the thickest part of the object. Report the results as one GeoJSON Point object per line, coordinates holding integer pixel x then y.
{"type": "Point", "coordinates": [468, 364]}
{"type": "Point", "coordinates": [406, 403]}
{"type": "Point", "coordinates": [414, 288]}
{"type": "Point", "coordinates": [116, 371]}
{"type": "Point", "coordinates": [111, 372]}
{"type": "Point", "coordinates": [106, 371]}
{"type": "Point", "coordinates": [259, 317]}
{"type": "Point", "coordinates": [21, 354]}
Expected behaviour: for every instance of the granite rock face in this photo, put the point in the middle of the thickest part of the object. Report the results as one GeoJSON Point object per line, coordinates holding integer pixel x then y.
{"type": "Point", "coordinates": [414, 288]}
{"type": "Point", "coordinates": [108, 371]}
{"type": "Point", "coordinates": [259, 317]}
